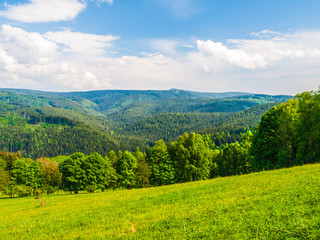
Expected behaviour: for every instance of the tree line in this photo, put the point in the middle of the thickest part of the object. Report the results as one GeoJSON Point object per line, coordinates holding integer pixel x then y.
{"type": "Point", "coordinates": [191, 157]}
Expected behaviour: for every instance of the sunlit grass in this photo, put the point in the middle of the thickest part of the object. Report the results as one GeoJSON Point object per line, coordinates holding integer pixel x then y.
{"type": "Point", "coordinates": [282, 204]}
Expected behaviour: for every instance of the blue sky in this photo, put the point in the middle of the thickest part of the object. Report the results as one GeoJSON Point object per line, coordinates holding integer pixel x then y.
{"type": "Point", "coordinates": [265, 46]}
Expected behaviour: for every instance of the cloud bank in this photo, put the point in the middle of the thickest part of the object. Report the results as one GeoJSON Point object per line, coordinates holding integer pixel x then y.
{"type": "Point", "coordinates": [66, 60]}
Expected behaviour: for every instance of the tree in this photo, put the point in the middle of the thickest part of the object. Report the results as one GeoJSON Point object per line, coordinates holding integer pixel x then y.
{"type": "Point", "coordinates": [192, 157]}
{"type": "Point", "coordinates": [265, 146]}
{"type": "Point", "coordinates": [51, 174]}
{"type": "Point", "coordinates": [307, 128]}
{"type": "Point", "coordinates": [143, 174]}
{"type": "Point", "coordinates": [111, 175]}
{"type": "Point", "coordinates": [73, 175]}
{"type": "Point", "coordinates": [27, 172]}
{"type": "Point", "coordinates": [9, 158]}
{"type": "Point", "coordinates": [4, 178]}
{"type": "Point", "coordinates": [3, 164]}
{"type": "Point", "coordinates": [274, 143]}
{"type": "Point", "coordinates": [126, 167]}
{"type": "Point", "coordinates": [113, 158]}
{"type": "Point", "coordinates": [159, 160]}
{"type": "Point", "coordinates": [94, 167]}
{"type": "Point", "coordinates": [140, 156]}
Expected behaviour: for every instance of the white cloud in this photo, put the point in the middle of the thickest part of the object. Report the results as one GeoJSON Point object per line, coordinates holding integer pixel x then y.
{"type": "Point", "coordinates": [68, 60]}
{"type": "Point", "coordinates": [31, 60]}
{"type": "Point", "coordinates": [267, 34]}
{"type": "Point", "coordinates": [237, 57]}
{"type": "Point", "coordinates": [47, 10]}
{"type": "Point", "coordinates": [82, 43]}
{"type": "Point", "coordinates": [27, 47]}
{"type": "Point", "coordinates": [44, 11]}
{"type": "Point", "coordinates": [168, 46]}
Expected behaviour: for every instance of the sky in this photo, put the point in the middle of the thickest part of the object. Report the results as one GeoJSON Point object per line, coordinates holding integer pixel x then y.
{"type": "Point", "coordinates": [265, 46]}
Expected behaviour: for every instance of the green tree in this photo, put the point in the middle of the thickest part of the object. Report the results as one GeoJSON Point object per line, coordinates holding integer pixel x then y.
{"type": "Point", "coordinates": [73, 174]}
{"type": "Point", "coordinates": [9, 158]}
{"type": "Point", "coordinates": [51, 174]}
{"type": "Point", "coordinates": [94, 167]}
{"type": "Point", "coordinates": [113, 158]}
{"type": "Point", "coordinates": [265, 146]}
{"type": "Point", "coordinates": [192, 157]}
{"type": "Point", "coordinates": [143, 174]}
{"type": "Point", "coordinates": [140, 156]}
{"type": "Point", "coordinates": [27, 172]}
{"type": "Point", "coordinates": [126, 166]}
{"type": "Point", "coordinates": [4, 178]}
{"type": "Point", "coordinates": [162, 170]}
{"type": "Point", "coordinates": [111, 175]}
{"type": "Point", "coordinates": [3, 164]}
{"type": "Point", "coordinates": [307, 128]}
{"type": "Point", "coordinates": [274, 144]}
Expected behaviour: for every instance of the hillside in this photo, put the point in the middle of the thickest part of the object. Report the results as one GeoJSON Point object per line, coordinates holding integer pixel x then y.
{"type": "Point", "coordinates": [51, 123]}
{"type": "Point", "coordinates": [171, 125]}
{"type": "Point", "coordinates": [280, 204]}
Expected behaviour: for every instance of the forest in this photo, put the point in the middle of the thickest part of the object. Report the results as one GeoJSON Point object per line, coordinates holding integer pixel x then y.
{"type": "Point", "coordinates": [47, 124]}
{"type": "Point", "coordinates": [287, 135]}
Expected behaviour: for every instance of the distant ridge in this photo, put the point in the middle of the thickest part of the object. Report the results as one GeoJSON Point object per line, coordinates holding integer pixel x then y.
{"type": "Point", "coordinates": [158, 94]}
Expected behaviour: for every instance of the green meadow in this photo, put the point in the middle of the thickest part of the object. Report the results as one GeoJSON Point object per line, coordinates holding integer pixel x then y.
{"type": "Point", "coordinates": [280, 204]}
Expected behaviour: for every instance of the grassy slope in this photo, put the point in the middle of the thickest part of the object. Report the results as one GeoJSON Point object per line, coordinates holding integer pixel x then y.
{"type": "Point", "coordinates": [282, 204]}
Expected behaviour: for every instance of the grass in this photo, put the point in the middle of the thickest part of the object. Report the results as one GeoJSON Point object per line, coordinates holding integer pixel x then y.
{"type": "Point", "coordinates": [281, 204]}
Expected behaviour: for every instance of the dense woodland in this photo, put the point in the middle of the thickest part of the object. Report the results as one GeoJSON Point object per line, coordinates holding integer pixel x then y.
{"type": "Point", "coordinates": [48, 124]}
{"type": "Point", "coordinates": [287, 135]}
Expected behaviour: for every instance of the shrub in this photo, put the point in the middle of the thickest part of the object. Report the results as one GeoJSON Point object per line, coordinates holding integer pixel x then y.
{"type": "Point", "coordinates": [22, 191]}
{"type": "Point", "coordinates": [90, 189]}
{"type": "Point", "coordinates": [9, 189]}
{"type": "Point", "coordinates": [37, 193]}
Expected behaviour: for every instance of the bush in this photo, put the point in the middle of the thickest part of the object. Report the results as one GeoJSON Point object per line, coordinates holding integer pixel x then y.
{"type": "Point", "coordinates": [90, 189]}
{"type": "Point", "coordinates": [23, 191]}
{"type": "Point", "coordinates": [50, 190]}
{"type": "Point", "coordinates": [17, 190]}
{"type": "Point", "coordinates": [37, 193]}
{"type": "Point", "coordinates": [9, 189]}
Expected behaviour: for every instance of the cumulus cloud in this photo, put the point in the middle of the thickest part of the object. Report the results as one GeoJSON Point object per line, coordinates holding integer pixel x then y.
{"type": "Point", "coordinates": [27, 47]}
{"type": "Point", "coordinates": [32, 60]}
{"type": "Point", "coordinates": [67, 60]}
{"type": "Point", "coordinates": [237, 57]}
{"type": "Point", "coordinates": [46, 10]}
{"type": "Point", "coordinates": [260, 53]}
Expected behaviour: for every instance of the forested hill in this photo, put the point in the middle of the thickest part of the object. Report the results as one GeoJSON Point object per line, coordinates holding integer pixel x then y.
{"type": "Point", "coordinates": [225, 127]}
{"type": "Point", "coordinates": [48, 123]}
